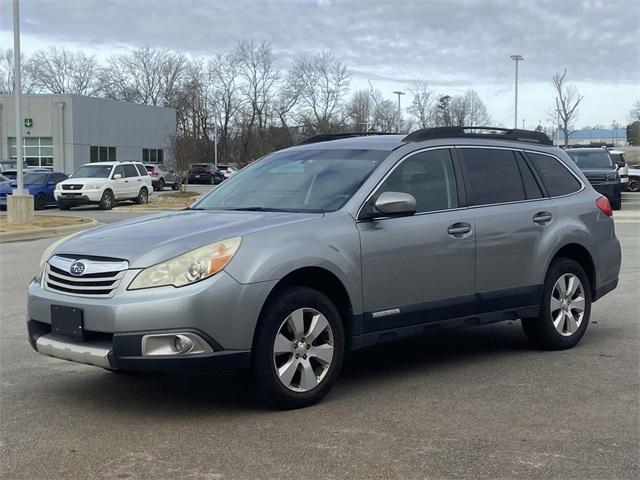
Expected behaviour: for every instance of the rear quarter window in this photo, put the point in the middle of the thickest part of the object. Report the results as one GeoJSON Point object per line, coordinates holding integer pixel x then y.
{"type": "Point", "coordinates": [557, 179]}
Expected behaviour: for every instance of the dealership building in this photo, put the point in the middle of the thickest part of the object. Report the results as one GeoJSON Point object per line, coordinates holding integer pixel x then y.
{"type": "Point", "coordinates": [67, 131]}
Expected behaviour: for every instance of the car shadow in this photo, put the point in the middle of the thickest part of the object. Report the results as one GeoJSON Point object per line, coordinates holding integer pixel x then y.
{"type": "Point", "coordinates": [226, 393]}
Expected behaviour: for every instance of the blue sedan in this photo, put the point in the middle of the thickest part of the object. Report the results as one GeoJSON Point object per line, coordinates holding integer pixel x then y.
{"type": "Point", "coordinates": [39, 184]}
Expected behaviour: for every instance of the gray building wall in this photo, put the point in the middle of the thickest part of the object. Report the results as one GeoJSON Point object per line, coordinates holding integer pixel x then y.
{"type": "Point", "coordinates": [86, 122]}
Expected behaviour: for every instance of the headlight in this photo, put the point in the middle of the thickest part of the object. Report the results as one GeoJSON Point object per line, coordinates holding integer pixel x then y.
{"type": "Point", "coordinates": [91, 186]}
{"type": "Point", "coordinates": [188, 268]}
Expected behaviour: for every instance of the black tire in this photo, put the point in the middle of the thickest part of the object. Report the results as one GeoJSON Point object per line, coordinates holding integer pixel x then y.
{"type": "Point", "coordinates": [62, 206]}
{"type": "Point", "coordinates": [541, 331]}
{"type": "Point", "coordinates": [161, 185]}
{"type": "Point", "coordinates": [39, 201]}
{"type": "Point", "coordinates": [270, 389]}
{"type": "Point", "coordinates": [616, 204]}
{"type": "Point", "coordinates": [107, 200]}
{"type": "Point", "coordinates": [143, 197]}
{"type": "Point", "coordinates": [212, 181]}
{"type": "Point", "coordinates": [176, 185]}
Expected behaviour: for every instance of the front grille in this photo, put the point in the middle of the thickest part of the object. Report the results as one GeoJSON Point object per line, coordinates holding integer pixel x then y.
{"type": "Point", "coordinates": [72, 187]}
{"type": "Point", "coordinates": [597, 178]}
{"type": "Point", "coordinates": [101, 283]}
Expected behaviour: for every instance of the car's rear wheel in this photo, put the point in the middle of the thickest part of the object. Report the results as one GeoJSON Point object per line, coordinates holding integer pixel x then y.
{"type": "Point", "coordinates": [161, 185]}
{"type": "Point", "coordinates": [143, 197]}
{"type": "Point", "coordinates": [40, 201]}
{"type": "Point", "coordinates": [565, 309]}
{"type": "Point", "coordinates": [107, 200]}
{"type": "Point", "coordinates": [298, 348]}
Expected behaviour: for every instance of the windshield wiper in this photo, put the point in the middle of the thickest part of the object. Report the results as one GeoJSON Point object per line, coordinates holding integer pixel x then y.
{"type": "Point", "coordinates": [254, 209]}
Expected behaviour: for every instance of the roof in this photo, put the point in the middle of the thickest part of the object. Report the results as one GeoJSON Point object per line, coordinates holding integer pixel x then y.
{"type": "Point", "coordinates": [369, 142]}
{"type": "Point", "coordinates": [587, 134]}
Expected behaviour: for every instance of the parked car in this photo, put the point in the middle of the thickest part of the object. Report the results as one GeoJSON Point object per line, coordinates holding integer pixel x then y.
{"type": "Point", "coordinates": [623, 169]}
{"type": "Point", "coordinates": [8, 165]}
{"type": "Point", "coordinates": [227, 170]}
{"type": "Point", "coordinates": [161, 178]}
{"type": "Point", "coordinates": [599, 168]}
{"type": "Point", "coordinates": [13, 173]}
{"type": "Point", "coordinates": [634, 179]}
{"type": "Point", "coordinates": [4, 179]}
{"type": "Point", "coordinates": [205, 173]}
{"type": "Point", "coordinates": [103, 184]}
{"type": "Point", "coordinates": [331, 246]}
{"type": "Point", "coordinates": [39, 184]}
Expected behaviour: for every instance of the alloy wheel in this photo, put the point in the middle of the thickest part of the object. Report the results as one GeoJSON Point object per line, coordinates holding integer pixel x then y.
{"type": "Point", "coordinates": [303, 349]}
{"type": "Point", "coordinates": [567, 304]}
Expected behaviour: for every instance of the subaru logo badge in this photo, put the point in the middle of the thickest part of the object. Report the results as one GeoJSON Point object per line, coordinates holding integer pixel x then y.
{"type": "Point", "coordinates": [77, 268]}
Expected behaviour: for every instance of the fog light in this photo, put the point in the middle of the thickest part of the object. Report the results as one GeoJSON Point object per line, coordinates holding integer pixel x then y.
{"type": "Point", "coordinates": [182, 343]}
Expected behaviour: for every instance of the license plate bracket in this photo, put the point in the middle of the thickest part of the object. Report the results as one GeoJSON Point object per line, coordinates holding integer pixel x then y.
{"type": "Point", "coordinates": [67, 321]}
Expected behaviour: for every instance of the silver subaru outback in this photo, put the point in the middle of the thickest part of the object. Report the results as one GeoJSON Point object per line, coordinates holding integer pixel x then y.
{"type": "Point", "coordinates": [333, 245]}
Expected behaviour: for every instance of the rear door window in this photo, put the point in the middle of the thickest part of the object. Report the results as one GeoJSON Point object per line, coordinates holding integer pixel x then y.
{"type": "Point", "coordinates": [141, 170]}
{"type": "Point", "coordinates": [492, 176]}
{"type": "Point", "coordinates": [557, 179]}
{"type": "Point", "coordinates": [130, 170]}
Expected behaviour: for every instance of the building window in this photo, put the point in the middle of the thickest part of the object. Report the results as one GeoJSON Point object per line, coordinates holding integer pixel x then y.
{"type": "Point", "coordinates": [102, 154]}
{"type": "Point", "coordinates": [37, 151]}
{"type": "Point", "coordinates": [152, 155]}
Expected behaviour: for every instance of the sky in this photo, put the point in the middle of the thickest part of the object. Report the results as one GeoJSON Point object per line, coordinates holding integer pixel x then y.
{"type": "Point", "coordinates": [454, 45]}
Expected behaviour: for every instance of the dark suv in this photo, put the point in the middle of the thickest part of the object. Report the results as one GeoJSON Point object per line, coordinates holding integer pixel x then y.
{"type": "Point", "coordinates": [205, 173]}
{"type": "Point", "coordinates": [601, 171]}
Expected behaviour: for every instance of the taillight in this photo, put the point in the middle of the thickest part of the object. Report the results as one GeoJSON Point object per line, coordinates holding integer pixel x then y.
{"type": "Point", "coordinates": [603, 204]}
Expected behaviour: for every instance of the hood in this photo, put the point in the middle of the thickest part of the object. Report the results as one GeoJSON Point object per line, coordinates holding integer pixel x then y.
{"type": "Point", "coordinates": [147, 240]}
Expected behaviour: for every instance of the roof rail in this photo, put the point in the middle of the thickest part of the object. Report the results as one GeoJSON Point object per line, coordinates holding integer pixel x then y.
{"type": "Point", "coordinates": [514, 134]}
{"type": "Point", "coordinates": [327, 137]}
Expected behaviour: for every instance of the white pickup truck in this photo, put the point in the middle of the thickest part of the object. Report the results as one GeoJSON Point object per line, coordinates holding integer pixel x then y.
{"type": "Point", "coordinates": [103, 184]}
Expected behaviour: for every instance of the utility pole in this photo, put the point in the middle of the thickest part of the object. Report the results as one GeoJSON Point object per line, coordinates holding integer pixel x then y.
{"type": "Point", "coordinates": [215, 144]}
{"type": "Point", "coordinates": [19, 203]}
{"type": "Point", "coordinates": [516, 59]}
{"type": "Point", "coordinates": [399, 94]}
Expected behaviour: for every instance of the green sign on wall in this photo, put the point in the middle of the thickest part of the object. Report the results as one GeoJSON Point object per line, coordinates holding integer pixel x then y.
{"type": "Point", "coordinates": [28, 122]}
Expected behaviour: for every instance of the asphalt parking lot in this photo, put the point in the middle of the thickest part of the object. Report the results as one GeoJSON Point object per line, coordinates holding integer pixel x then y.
{"type": "Point", "coordinates": [475, 403]}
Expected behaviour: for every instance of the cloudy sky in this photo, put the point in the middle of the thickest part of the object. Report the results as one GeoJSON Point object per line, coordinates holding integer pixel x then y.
{"type": "Point", "coordinates": [453, 44]}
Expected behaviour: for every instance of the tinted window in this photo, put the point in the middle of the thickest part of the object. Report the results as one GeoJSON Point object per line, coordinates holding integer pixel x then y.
{"type": "Point", "coordinates": [141, 170]}
{"type": "Point", "coordinates": [429, 177]}
{"type": "Point", "coordinates": [35, 178]}
{"type": "Point", "coordinates": [493, 176]}
{"type": "Point", "coordinates": [130, 170]}
{"type": "Point", "coordinates": [556, 178]}
{"type": "Point", "coordinates": [586, 159]}
{"type": "Point", "coordinates": [299, 180]}
{"type": "Point", "coordinates": [531, 187]}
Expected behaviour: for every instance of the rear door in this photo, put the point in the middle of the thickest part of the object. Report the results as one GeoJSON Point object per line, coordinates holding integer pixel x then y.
{"type": "Point", "coordinates": [133, 180]}
{"type": "Point", "coordinates": [516, 226]}
{"type": "Point", "coordinates": [419, 268]}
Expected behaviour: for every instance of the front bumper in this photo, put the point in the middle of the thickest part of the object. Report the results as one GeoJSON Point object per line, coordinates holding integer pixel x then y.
{"type": "Point", "coordinates": [219, 309]}
{"type": "Point", "coordinates": [611, 190]}
{"type": "Point", "coordinates": [78, 197]}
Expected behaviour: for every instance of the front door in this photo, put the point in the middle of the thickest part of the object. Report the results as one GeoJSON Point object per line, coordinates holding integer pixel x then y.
{"type": "Point", "coordinates": [419, 268]}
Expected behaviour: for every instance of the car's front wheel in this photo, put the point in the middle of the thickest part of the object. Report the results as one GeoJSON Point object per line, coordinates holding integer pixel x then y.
{"type": "Point", "coordinates": [565, 309]}
{"type": "Point", "coordinates": [107, 200]}
{"type": "Point", "coordinates": [298, 348]}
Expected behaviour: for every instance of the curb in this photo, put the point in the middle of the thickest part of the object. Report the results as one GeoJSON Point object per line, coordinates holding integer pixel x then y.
{"type": "Point", "coordinates": [46, 232]}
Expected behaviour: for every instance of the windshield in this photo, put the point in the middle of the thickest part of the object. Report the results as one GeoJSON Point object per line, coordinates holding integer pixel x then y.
{"type": "Point", "coordinates": [302, 181]}
{"type": "Point", "coordinates": [35, 178]}
{"type": "Point", "coordinates": [93, 171]}
{"type": "Point", "coordinates": [591, 159]}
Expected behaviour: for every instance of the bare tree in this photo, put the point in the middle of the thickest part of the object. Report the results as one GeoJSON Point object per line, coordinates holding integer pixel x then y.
{"type": "Point", "coordinates": [323, 81]}
{"type": "Point", "coordinates": [422, 105]}
{"type": "Point", "coordinates": [146, 75]}
{"type": "Point", "coordinates": [476, 114]}
{"type": "Point", "coordinates": [6, 73]}
{"type": "Point", "coordinates": [60, 71]}
{"type": "Point", "coordinates": [567, 100]}
{"type": "Point", "coordinates": [359, 110]}
{"type": "Point", "coordinates": [224, 74]}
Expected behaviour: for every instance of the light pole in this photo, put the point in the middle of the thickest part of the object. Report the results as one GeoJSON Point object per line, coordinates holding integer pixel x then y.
{"type": "Point", "coordinates": [399, 111]}
{"type": "Point", "coordinates": [19, 203]}
{"type": "Point", "coordinates": [516, 58]}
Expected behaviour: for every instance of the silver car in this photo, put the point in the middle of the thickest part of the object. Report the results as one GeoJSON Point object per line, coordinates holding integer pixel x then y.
{"type": "Point", "coordinates": [334, 245]}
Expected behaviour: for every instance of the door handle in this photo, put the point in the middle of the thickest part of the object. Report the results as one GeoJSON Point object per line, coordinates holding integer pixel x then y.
{"type": "Point", "coordinates": [126, 181]}
{"type": "Point", "coordinates": [459, 228]}
{"type": "Point", "coordinates": [542, 217]}
{"type": "Point", "coordinates": [139, 179]}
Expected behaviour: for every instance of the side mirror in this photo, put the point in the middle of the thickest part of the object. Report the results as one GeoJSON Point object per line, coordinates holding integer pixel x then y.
{"type": "Point", "coordinates": [117, 176]}
{"type": "Point", "coordinates": [390, 204]}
